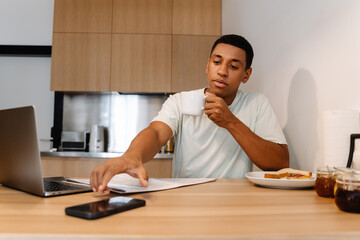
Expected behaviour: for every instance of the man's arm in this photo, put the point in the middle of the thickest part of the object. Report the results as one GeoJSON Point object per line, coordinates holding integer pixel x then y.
{"type": "Point", "coordinates": [265, 154]}
{"type": "Point", "coordinates": [142, 149]}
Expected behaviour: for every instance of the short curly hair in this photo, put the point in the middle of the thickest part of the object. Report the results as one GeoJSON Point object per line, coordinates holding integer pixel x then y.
{"type": "Point", "coordinates": [237, 41]}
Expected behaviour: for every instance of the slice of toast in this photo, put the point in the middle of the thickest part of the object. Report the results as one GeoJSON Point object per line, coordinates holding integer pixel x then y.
{"type": "Point", "coordinates": [276, 175]}
{"type": "Point", "coordinates": [289, 173]}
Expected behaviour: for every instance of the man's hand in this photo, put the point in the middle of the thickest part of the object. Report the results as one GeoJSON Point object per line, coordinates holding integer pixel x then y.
{"type": "Point", "coordinates": [142, 149]}
{"type": "Point", "coordinates": [276, 155]}
{"type": "Point", "coordinates": [217, 110]}
{"type": "Point", "coordinates": [125, 164]}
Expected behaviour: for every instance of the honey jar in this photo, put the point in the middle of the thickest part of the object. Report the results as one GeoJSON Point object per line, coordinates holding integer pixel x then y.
{"type": "Point", "coordinates": [169, 147]}
{"type": "Point", "coordinates": [347, 196]}
{"type": "Point", "coordinates": [325, 182]}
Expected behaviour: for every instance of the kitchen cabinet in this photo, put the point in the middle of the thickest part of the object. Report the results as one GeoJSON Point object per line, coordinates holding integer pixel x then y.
{"type": "Point", "coordinates": [189, 59]}
{"type": "Point", "coordinates": [197, 17]}
{"type": "Point", "coordinates": [83, 16]}
{"type": "Point", "coordinates": [142, 16]}
{"type": "Point", "coordinates": [139, 46]}
{"type": "Point", "coordinates": [82, 167]}
{"type": "Point", "coordinates": [141, 63]}
{"type": "Point", "coordinates": [80, 62]}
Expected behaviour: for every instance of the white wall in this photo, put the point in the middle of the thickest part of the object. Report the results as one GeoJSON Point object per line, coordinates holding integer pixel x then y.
{"type": "Point", "coordinates": [307, 57]}
{"type": "Point", "coordinates": [26, 22]}
{"type": "Point", "coordinates": [26, 80]}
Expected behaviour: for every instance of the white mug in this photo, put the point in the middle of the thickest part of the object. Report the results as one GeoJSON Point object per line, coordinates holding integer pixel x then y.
{"type": "Point", "coordinates": [192, 103]}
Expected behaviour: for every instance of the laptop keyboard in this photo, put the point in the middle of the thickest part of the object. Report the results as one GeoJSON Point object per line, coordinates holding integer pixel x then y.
{"type": "Point", "coordinates": [51, 186]}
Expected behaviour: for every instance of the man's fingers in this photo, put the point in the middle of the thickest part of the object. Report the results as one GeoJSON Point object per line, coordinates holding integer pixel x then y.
{"type": "Point", "coordinates": [104, 181]}
{"type": "Point", "coordinates": [143, 180]}
{"type": "Point", "coordinates": [209, 106]}
{"type": "Point", "coordinates": [102, 175]}
{"type": "Point", "coordinates": [104, 189]}
{"type": "Point", "coordinates": [207, 94]}
{"type": "Point", "coordinates": [107, 191]}
{"type": "Point", "coordinates": [94, 183]}
{"type": "Point", "coordinates": [139, 173]}
{"type": "Point", "coordinates": [143, 177]}
{"type": "Point", "coordinates": [99, 178]}
{"type": "Point", "coordinates": [211, 98]}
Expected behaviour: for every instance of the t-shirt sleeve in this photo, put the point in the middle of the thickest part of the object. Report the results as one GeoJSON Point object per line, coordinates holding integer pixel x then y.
{"type": "Point", "coordinates": [267, 125]}
{"type": "Point", "coordinates": [170, 113]}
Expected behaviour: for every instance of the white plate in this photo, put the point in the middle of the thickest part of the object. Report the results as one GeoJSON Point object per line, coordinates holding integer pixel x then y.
{"type": "Point", "coordinates": [258, 178]}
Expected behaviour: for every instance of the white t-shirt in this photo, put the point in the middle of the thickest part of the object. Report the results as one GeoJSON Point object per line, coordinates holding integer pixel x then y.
{"type": "Point", "coordinates": [203, 149]}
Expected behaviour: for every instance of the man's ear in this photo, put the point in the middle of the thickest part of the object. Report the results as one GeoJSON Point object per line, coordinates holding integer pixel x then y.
{"type": "Point", "coordinates": [207, 66]}
{"type": "Point", "coordinates": [247, 75]}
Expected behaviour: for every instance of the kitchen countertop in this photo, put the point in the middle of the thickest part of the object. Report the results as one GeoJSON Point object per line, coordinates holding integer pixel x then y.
{"type": "Point", "coordinates": [95, 154]}
{"type": "Point", "coordinates": [225, 209]}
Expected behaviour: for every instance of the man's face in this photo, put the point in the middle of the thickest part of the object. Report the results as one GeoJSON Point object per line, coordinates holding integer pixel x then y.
{"type": "Point", "coordinates": [226, 70]}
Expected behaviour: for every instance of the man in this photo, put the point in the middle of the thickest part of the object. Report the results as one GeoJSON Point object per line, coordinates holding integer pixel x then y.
{"type": "Point", "coordinates": [237, 127]}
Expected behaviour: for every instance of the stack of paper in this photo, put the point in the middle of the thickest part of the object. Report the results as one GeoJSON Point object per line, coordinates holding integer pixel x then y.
{"type": "Point", "coordinates": [124, 183]}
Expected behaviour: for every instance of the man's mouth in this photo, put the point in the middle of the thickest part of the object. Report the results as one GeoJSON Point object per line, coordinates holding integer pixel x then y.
{"type": "Point", "coordinates": [219, 83]}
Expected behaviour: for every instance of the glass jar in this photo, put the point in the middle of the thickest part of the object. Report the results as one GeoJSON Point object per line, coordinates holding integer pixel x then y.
{"type": "Point", "coordinates": [325, 182]}
{"type": "Point", "coordinates": [169, 147]}
{"type": "Point", "coordinates": [347, 196]}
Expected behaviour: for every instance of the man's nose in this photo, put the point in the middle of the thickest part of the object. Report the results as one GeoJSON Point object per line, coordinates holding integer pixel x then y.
{"type": "Point", "coordinates": [223, 71]}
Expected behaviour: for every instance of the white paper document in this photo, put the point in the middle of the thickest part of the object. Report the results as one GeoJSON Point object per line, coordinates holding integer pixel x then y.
{"type": "Point", "coordinates": [124, 183]}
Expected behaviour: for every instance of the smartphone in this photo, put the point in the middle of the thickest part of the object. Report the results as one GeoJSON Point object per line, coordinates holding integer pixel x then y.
{"type": "Point", "coordinates": [104, 208]}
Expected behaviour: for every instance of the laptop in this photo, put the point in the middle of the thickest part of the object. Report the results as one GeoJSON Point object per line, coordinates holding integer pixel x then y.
{"type": "Point", "coordinates": [20, 161]}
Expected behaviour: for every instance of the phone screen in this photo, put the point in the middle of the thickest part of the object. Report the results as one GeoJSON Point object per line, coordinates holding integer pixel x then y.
{"type": "Point", "coordinates": [104, 208]}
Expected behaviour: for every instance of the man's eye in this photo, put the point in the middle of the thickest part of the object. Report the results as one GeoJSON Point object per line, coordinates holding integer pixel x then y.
{"type": "Point", "coordinates": [233, 67]}
{"type": "Point", "coordinates": [216, 62]}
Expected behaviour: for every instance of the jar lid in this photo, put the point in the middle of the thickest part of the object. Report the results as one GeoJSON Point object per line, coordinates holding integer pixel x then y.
{"type": "Point", "coordinates": [340, 170]}
{"type": "Point", "coordinates": [325, 169]}
{"type": "Point", "coordinates": [348, 178]}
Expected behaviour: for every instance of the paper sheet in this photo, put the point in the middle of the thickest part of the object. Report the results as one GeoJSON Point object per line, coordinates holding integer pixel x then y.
{"type": "Point", "coordinates": [124, 183]}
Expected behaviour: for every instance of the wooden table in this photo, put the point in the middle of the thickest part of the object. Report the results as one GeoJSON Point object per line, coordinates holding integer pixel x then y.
{"type": "Point", "coordinates": [225, 209]}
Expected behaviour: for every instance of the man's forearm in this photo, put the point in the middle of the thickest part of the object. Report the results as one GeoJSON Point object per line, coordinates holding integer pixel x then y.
{"type": "Point", "coordinates": [144, 146]}
{"type": "Point", "coordinates": [265, 154]}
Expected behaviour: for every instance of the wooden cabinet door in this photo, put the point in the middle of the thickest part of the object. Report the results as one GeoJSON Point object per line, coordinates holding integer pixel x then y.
{"type": "Point", "coordinates": [90, 16]}
{"type": "Point", "coordinates": [189, 58]}
{"type": "Point", "coordinates": [141, 63]}
{"type": "Point", "coordinates": [197, 17]}
{"type": "Point", "coordinates": [132, 45]}
{"type": "Point", "coordinates": [142, 16]}
{"type": "Point", "coordinates": [80, 62]}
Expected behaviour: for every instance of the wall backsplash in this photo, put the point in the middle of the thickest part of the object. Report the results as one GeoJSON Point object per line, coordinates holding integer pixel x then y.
{"type": "Point", "coordinates": [122, 115]}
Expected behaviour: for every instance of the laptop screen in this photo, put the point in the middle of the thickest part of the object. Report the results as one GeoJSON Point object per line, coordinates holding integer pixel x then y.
{"type": "Point", "coordinates": [20, 162]}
